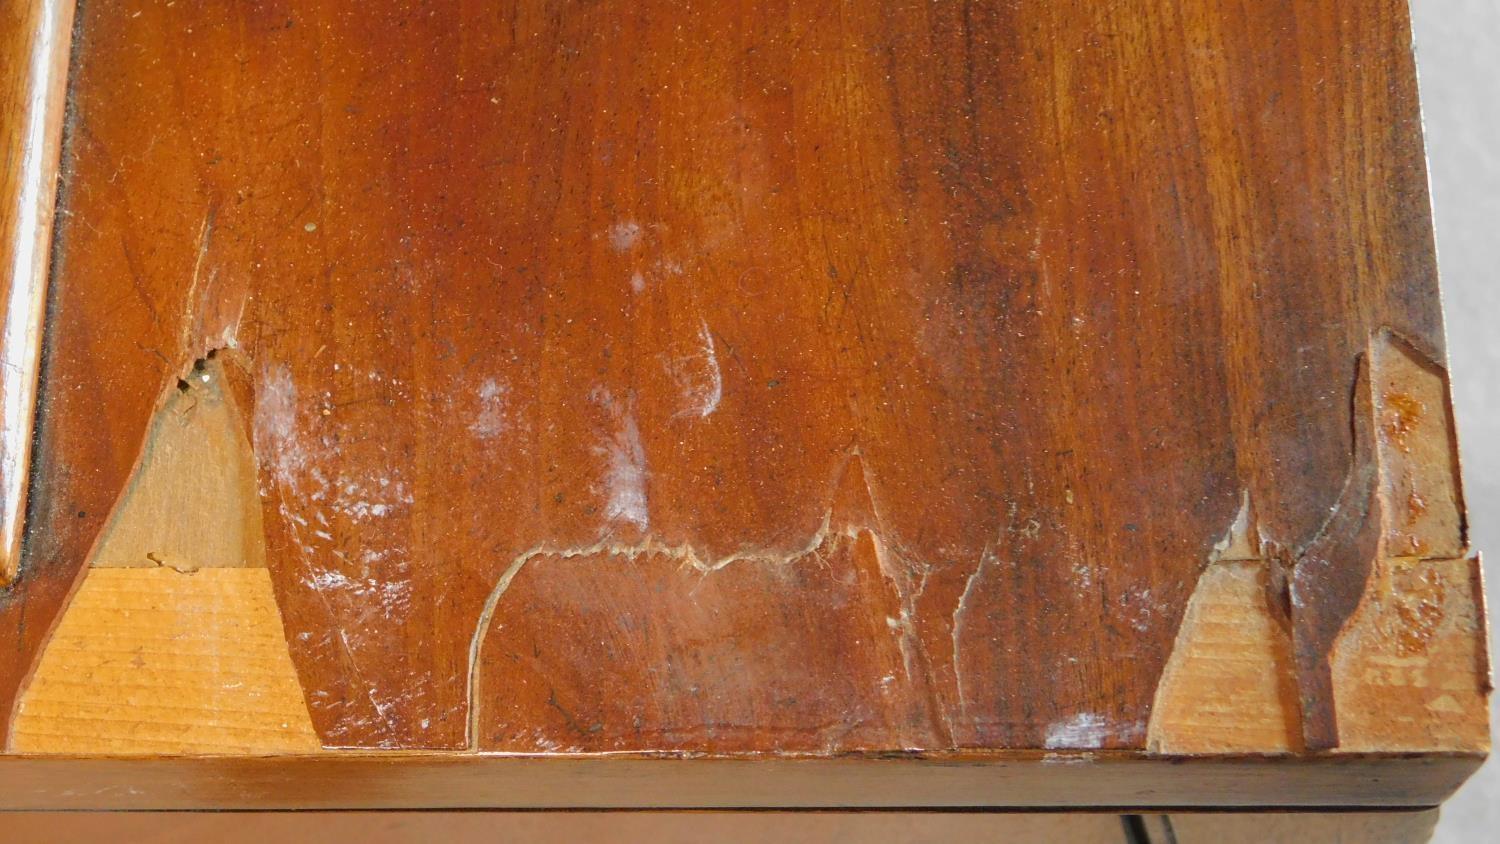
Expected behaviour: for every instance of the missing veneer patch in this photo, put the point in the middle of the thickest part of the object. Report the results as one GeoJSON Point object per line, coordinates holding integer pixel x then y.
{"type": "Point", "coordinates": [1228, 685]}
{"type": "Point", "coordinates": [1420, 494]}
{"type": "Point", "coordinates": [173, 642]}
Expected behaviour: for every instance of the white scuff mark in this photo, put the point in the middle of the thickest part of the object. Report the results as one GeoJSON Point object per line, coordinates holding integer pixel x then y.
{"type": "Point", "coordinates": [1089, 731]}
{"type": "Point", "coordinates": [637, 282]}
{"type": "Point", "coordinates": [387, 595]}
{"type": "Point", "coordinates": [390, 598]}
{"type": "Point", "coordinates": [382, 710]}
{"type": "Point", "coordinates": [1139, 603]}
{"type": "Point", "coordinates": [901, 625]}
{"type": "Point", "coordinates": [489, 422]}
{"type": "Point", "coordinates": [360, 500]}
{"type": "Point", "coordinates": [275, 429]}
{"type": "Point", "coordinates": [205, 235]}
{"type": "Point", "coordinates": [1084, 731]}
{"type": "Point", "coordinates": [624, 236]}
{"type": "Point", "coordinates": [699, 376]}
{"type": "Point", "coordinates": [625, 476]}
{"type": "Point", "coordinates": [715, 392]}
{"type": "Point", "coordinates": [1083, 576]}
{"type": "Point", "coordinates": [958, 623]}
{"type": "Point", "coordinates": [291, 457]}
{"type": "Point", "coordinates": [329, 580]}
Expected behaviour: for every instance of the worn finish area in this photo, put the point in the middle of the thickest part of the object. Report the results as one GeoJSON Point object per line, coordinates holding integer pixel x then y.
{"type": "Point", "coordinates": [789, 379]}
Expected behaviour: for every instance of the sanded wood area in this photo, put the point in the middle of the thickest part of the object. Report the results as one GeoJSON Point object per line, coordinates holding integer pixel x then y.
{"type": "Point", "coordinates": [153, 661]}
{"type": "Point", "coordinates": [1226, 688]}
{"type": "Point", "coordinates": [173, 643]}
{"type": "Point", "coordinates": [1406, 665]}
{"type": "Point", "coordinates": [1006, 396]}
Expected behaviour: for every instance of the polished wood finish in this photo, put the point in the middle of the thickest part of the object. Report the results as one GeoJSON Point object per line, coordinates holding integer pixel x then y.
{"type": "Point", "coordinates": [800, 379]}
{"type": "Point", "coordinates": [35, 36]}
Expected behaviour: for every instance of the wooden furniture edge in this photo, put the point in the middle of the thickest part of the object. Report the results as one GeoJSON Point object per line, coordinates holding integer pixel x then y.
{"type": "Point", "coordinates": [34, 56]}
{"type": "Point", "coordinates": [365, 780]}
{"type": "Point", "coordinates": [1030, 780]}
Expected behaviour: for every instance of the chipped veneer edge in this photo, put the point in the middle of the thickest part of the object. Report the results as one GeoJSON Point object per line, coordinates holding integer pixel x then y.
{"type": "Point", "coordinates": [132, 565]}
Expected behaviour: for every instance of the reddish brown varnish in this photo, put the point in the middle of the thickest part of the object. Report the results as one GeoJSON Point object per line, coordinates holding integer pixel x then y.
{"type": "Point", "coordinates": [34, 44]}
{"type": "Point", "coordinates": [745, 376]}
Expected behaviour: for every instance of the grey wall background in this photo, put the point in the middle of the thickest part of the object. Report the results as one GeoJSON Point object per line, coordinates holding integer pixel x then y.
{"type": "Point", "coordinates": [1458, 59]}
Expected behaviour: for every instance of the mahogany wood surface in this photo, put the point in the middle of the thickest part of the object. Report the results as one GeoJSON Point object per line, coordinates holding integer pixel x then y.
{"type": "Point", "coordinates": [757, 379]}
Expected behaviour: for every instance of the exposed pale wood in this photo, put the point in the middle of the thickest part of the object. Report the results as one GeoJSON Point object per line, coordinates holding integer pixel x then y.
{"type": "Point", "coordinates": [192, 501]}
{"type": "Point", "coordinates": [173, 643]}
{"type": "Point", "coordinates": [1228, 687]}
{"type": "Point", "coordinates": [152, 662]}
{"type": "Point", "coordinates": [34, 40]}
{"type": "Point", "coordinates": [1421, 503]}
{"type": "Point", "coordinates": [865, 378]}
{"type": "Point", "coordinates": [1411, 671]}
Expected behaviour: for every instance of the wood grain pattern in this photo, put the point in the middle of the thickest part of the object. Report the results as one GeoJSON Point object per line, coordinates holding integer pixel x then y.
{"type": "Point", "coordinates": [1409, 668]}
{"type": "Point", "coordinates": [173, 643]}
{"type": "Point", "coordinates": [34, 48]}
{"type": "Point", "coordinates": [1227, 686]}
{"type": "Point", "coordinates": [192, 501]}
{"type": "Point", "coordinates": [778, 379]}
{"type": "Point", "coordinates": [152, 661]}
